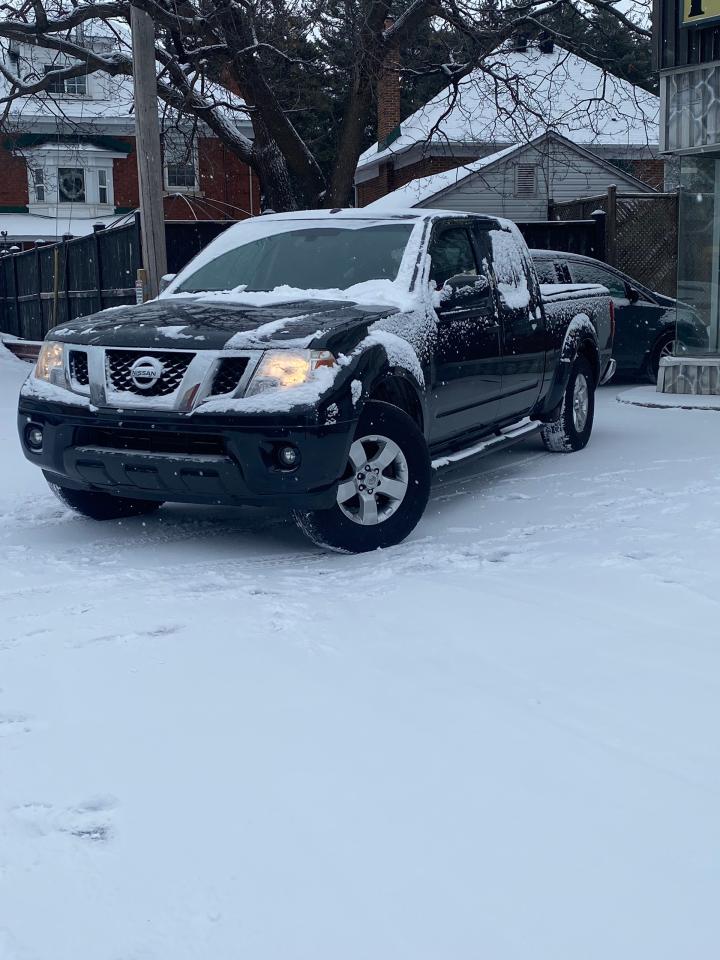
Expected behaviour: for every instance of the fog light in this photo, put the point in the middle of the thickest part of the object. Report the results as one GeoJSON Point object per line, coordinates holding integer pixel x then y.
{"type": "Point", "coordinates": [34, 437]}
{"type": "Point", "coordinates": [289, 456]}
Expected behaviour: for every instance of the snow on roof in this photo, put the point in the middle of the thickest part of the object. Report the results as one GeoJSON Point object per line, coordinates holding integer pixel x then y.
{"type": "Point", "coordinates": [28, 227]}
{"type": "Point", "coordinates": [423, 188]}
{"type": "Point", "coordinates": [417, 191]}
{"type": "Point", "coordinates": [110, 99]}
{"type": "Point", "coordinates": [518, 95]}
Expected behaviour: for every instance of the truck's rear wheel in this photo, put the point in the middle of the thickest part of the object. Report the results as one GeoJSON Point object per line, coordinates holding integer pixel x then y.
{"type": "Point", "coordinates": [571, 429]}
{"type": "Point", "coordinates": [385, 487]}
{"type": "Point", "coordinates": [101, 506]}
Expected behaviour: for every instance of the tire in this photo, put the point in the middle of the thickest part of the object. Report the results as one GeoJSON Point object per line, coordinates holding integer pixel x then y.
{"type": "Point", "coordinates": [380, 506]}
{"type": "Point", "coordinates": [665, 346]}
{"type": "Point", "coordinates": [102, 506]}
{"type": "Point", "coordinates": [571, 430]}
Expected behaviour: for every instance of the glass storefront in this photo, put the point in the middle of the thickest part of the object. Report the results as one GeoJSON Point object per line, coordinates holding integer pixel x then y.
{"type": "Point", "coordinates": [699, 251]}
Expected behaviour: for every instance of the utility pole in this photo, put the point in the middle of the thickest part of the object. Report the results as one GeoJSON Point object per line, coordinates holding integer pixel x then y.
{"type": "Point", "coordinates": [147, 146]}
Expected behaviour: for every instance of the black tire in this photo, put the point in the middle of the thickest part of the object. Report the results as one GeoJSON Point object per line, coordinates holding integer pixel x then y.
{"type": "Point", "coordinates": [653, 363]}
{"type": "Point", "coordinates": [102, 506]}
{"type": "Point", "coordinates": [563, 435]}
{"type": "Point", "coordinates": [333, 528]}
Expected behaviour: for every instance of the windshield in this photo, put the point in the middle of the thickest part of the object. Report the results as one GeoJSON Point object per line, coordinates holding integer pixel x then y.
{"type": "Point", "coordinates": [307, 257]}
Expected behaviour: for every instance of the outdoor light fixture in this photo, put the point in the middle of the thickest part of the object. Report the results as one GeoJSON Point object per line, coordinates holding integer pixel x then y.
{"type": "Point", "coordinates": [50, 363]}
{"type": "Point", "coordinates": [287, 368]}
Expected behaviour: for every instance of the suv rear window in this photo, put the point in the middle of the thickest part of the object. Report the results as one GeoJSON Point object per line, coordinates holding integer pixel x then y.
{"type": "Point", "coordinates": [590, 273]}
{"type": "Point", "coordinates": [546, 271]}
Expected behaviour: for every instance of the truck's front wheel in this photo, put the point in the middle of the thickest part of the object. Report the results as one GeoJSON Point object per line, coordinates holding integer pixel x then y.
{"type": "Point", "coordinates": [101, 506]}
{"type": "Point", "coordinates": [573, 426]}
{"type": "Point", "coordinates": [385, 487]}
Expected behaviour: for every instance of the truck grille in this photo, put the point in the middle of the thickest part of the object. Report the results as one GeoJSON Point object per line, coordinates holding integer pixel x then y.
{"type": "Point", "coordinates": [174, 366]}
{"type": "Point", "coordinates": [150, 441]}
{"type": "Point", "coordinates": [79, 367]}
{"type": "Point", "coordinates": [229, 375]}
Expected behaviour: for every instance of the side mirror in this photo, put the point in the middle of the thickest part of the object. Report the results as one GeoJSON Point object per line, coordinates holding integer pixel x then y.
{"type": "Point", "coordinates": [464, 289]}
{"type": "Point", "coordinates": [633, 295]}
{"type": "Point", "coordinates": [166, 280]}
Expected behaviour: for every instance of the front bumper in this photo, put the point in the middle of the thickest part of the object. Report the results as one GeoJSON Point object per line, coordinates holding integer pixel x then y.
{"type": "Point", "coordinates": [169, 457]}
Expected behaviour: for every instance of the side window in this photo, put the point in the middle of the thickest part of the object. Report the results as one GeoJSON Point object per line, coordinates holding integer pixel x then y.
{"type": "Point", "coordinates": [451, 254]}
{"type": "Point", "coordinates": [513, 270]}
{"type": "Point", "coordinates": [546, 271]}
{"type": "Point", "coordinates": [590, 273]}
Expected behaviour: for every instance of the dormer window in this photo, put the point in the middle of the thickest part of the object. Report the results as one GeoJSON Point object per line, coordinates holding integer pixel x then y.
{"type": "Point", "coordinates": [103, 194]}
{"type": "Point", "coordinates": [38, 176]}
{"type": "Point", "coordinates": [67, 87]}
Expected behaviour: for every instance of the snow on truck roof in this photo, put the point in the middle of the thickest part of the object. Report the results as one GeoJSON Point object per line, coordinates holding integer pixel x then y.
{"type": "Point", "coordinates": [371, 214]}
{"type": "Point", "coordinates": [368, 213]}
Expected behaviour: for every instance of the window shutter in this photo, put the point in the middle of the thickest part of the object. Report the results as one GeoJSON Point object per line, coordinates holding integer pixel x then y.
{"type": "Point", "coordinates": [526, 180]}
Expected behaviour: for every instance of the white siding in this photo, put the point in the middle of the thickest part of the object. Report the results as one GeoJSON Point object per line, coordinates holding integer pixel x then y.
{"type": "Point", "coordinates": [563, 174]}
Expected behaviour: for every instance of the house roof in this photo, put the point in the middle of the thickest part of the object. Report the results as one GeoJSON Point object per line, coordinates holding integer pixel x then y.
{"type": "Point", "coordinates": [518, 95]}
{"type": "Point", "coordinates": [111, 107]}
{"type": "Point", "coordinates": [417, 192]}
{"type": "Point", "coordinates": [28, 227]}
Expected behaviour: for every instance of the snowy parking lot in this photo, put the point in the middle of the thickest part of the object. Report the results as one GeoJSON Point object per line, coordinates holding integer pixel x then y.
{"type": "Point", "coordinates": [500, 739]}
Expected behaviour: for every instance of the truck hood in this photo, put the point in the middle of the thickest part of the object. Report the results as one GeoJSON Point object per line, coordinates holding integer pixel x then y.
{"type": "Point", "coordinates": [191, 324]}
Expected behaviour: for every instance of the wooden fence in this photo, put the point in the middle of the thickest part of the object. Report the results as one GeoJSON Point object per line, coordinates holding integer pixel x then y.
{"type": "Point", "coordinates": [55, 283]}
{"type": "Point", "coordinates": [640, 233]}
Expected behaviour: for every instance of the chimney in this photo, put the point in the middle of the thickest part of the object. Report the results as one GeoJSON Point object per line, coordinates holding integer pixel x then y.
{"type": "Point", "coordinates": [546, 44]}
{"type": "Point", "coordinates": [388, 90]}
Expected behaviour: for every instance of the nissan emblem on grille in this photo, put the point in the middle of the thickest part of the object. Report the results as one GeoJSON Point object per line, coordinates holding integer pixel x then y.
{"type": "Point", "coordinates": [146, 371]}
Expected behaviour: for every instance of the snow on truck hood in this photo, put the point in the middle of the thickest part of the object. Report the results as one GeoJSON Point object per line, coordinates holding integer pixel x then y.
{"type": "Point", "coordinates": [217, 322]}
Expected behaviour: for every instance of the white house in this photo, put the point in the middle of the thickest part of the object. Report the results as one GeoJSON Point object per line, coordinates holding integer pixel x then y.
{"type": "Point", "coordinates": [67, 155]}
{"type": "Point", "coordinates": [518, 182]}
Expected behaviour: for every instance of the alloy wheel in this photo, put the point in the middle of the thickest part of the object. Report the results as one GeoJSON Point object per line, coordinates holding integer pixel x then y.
{"type": "Point", "coordinates": [376, 480]}
{"type": "Point", "coordinates": [580, 402]}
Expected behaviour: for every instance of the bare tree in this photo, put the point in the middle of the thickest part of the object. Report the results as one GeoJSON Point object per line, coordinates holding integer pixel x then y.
{"type": "Point", "coordinates": [218, 60]}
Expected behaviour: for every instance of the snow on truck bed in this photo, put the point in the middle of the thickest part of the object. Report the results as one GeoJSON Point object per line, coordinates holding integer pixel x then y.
{"type": "Point", "coordinates": [498, 740]}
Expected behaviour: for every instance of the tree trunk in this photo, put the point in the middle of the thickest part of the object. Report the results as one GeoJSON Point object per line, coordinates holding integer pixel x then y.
{"type": "Point", "coordinates": [276, 187]}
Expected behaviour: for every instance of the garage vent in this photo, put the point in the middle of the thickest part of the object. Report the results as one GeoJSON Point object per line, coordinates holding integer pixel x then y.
{"type": "Point", "coordinates": [526, 180]}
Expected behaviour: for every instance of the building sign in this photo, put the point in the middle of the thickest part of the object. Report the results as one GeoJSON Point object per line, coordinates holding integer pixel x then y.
{"type": "Point", "coordinates": [700, 11]}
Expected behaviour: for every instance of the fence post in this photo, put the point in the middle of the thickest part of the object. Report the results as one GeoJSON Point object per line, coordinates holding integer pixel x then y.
{"type": "Point", "coordinates": [97, 228]}
{"type": "Point", "coordinates": [41, 319]}
{"type": "Point", "coordinates": [600, 217]}
{"type": "Point", "coordinates": [15, 294]}
{"type": "Point", "coordinates": [67, 237]}
{"type": "Point", "coordinates": [611, 227]}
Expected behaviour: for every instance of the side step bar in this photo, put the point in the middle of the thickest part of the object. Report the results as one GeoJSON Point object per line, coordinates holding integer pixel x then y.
{"type": "Point", "coordinates": [507, 436]}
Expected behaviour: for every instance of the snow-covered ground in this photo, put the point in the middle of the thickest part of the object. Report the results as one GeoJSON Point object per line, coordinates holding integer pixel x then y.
{"type": "Point", "coordinates": [498, 740]}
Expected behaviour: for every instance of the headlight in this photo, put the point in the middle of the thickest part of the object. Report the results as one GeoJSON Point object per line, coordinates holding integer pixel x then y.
{"type": "Point", "coordinates": [287, 368]}
{"type": "Point", "coordinates": [50, 365]}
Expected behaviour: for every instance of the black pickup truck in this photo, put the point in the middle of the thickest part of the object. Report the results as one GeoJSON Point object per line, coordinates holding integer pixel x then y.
{"type": "Point", "coordinates": [322, 361]}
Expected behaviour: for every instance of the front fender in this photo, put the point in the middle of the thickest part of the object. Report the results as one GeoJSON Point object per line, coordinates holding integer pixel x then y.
{"type": "Point", "coordinates": [380, 359]}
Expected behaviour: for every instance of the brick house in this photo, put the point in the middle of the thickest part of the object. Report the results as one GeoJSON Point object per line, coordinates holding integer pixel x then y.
{"type": "Point", "coordinates": [68, 157]}
{"type": "Point", "coordinates": [524, 92]}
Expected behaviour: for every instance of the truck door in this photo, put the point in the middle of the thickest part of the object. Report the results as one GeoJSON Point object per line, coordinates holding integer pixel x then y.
{"type": "Point", "coordinates": [466, 368]}
{"type": "Point", "coordinates": [523, 334]}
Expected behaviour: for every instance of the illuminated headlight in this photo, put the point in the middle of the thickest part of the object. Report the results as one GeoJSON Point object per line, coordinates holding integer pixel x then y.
{"type": "Point", "coordinates": [284, 369]}
{"type": "Point", "coordinates": [51, 363]}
